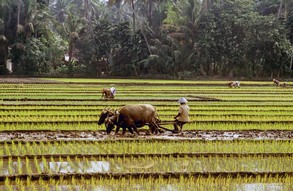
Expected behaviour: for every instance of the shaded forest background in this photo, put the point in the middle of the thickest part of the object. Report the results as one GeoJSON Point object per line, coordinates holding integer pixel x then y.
{"type": "Point", "coordinates": [173, 39]}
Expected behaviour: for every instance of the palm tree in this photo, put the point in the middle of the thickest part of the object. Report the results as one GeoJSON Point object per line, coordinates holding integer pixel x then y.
{"type": "Point", "coordinates": [3, 53]}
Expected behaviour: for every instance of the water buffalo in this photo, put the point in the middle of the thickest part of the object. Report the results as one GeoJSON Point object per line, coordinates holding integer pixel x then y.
{"type": "Point", "coordinates": [131, 117]}
{"type": "Point", "coordinates": [105, 114]}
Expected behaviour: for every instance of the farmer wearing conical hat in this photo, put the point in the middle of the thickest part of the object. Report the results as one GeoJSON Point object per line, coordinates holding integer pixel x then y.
{"type": "Point", "coordinates": [183, 115]}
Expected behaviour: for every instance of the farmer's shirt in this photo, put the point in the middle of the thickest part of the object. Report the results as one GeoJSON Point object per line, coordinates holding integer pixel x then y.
{"type": "Point", "coordinates": [113, 91]}
{"type": "Point", "coordinates": [184, 113]}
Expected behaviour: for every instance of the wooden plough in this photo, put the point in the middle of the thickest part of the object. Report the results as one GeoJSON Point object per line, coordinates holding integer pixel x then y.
{"type": "Point", "coordinates": [166, 123]}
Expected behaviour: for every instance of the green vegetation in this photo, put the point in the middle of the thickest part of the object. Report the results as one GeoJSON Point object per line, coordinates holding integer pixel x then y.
{"type": "Point", "coordinates": [149, 39]}
{"type": "Point", "coordinates": [134, 146]}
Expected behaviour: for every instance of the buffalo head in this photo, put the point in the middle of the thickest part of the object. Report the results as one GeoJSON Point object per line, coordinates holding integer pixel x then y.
{"type": "Point", "coordinates": [111, 121]}
{"type": "Point", "coordinates": [104, 114]}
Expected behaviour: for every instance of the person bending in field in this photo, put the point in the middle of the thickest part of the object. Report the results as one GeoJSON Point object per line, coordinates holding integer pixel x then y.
{"type": "Point", "coordinates": [183, 115]}
{"type": "Point", "coordinates": [109, 93]}
{"type": "Point", "coordinates": [276, 82]}
{"type": "Point", "coordinates": [234, 84]}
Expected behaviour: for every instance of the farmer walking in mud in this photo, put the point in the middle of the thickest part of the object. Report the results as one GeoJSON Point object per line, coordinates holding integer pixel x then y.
{"type": "Point", "coordinates": [183, 115]}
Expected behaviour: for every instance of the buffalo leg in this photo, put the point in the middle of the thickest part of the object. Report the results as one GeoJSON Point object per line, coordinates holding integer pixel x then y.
{"type": "Point", "coordinates": [154, 128]}
{"type": "Point", "coordinates": [123, 130]}
{"type": "Point", "coordinates": [135, 129]}
{"type": "Point", "coordinates": [130, 129]}
{"type": "Point", "coordinates": [117, 129]}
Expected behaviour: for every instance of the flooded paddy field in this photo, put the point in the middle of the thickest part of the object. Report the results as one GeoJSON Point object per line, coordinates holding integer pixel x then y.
{"type": "Point", "coordinates": [236, 139]}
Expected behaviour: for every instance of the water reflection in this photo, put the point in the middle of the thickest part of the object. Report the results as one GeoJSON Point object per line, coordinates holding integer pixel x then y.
{"type": "Point", "coordinates": [260, 187]}
{"type": "Point", "coordinates": [78, 167]}
{"type": "Point", "coordinates": [142, 164]}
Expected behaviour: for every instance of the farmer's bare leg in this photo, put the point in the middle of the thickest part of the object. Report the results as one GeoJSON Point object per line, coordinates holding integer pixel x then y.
{"type": "Point", "coordinates": [175, 127]}
{"type": "Point", "coordinates": [181, 125]}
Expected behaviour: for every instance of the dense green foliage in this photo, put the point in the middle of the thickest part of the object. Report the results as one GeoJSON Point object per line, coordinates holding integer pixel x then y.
{"type": "Point", "coordinates": [162, 39]}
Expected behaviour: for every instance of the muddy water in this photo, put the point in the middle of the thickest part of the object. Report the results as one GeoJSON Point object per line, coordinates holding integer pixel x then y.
{"type": "Point", "coordinates": [192, 135]}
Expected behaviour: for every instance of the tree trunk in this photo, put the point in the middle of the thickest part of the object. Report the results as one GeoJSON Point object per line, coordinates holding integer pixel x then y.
{"type": "Point", "coordinates": [135, 70]}
{"type": "Point", "coordinates": [133, 15]}
{"type": "Point", "coordinates": [3, 54]}
{"type": "Point", "coordinates": [201, 69]}
{"type": "Point", "coordinates": [150, 5]}
{"type": "Point", "coordinates": [204, 8]}
{"type": "Point", "coordinates": [87, 16]}
{"type": "Point", "coordinates": [280, 9]}
{"type": "Point", "coordinates": [70, 51]}
{"type": "Point", "coordinates": [146, 40]}
{"type": "Point", "coordinates": [18, 16]}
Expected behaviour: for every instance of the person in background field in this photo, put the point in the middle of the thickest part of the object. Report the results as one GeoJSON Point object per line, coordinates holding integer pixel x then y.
{"type": "Point", "coordinates": [234, 84]}
{"type": "Point", "coordinates": [183, 115]}
{"type": "Point", "coordinates": [109, 93]}
{"type": "Point", "coordinates": [113, 91]}
{"type": "Point", "coordinates": [276, 82]}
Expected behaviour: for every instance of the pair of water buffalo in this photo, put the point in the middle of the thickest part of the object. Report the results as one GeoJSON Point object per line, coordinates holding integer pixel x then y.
{"type": "Point", "coordinates": [130, 117]}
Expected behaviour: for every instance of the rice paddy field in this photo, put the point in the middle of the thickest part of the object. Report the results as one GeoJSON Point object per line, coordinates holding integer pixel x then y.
{"type": "Point", "coordinates": [237, 138]}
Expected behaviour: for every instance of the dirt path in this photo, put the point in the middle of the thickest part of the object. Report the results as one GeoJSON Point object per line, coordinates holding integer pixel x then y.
{"type": "Point", "coordinates": [186, 135]}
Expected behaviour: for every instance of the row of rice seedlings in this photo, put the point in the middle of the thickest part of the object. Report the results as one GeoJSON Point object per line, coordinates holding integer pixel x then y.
{"type": "Point", "coordinates": [143, 146]}
{"type": "Point", "coordinates": [49, 118]}
{"type": "Point", "coordinates": [149, 87]}
{"type": "Point", "coordinates": [168, 116]}
{"type": "Point", "coordinates": [52, 126]}
{"type": "Point", "coordinates": [152, 183]}
{"type": "Point", "coordinates": [148, 90]}
{"type": "Point", "coordinates": [213, 93]}
{"type": "Point", "coordinates": [161, 87]}
{"type": "Point", "coordinates": [132, 94]}
{"type": "Point", "coordinates": [195, 125]}
{"type": "Point", "coordinates": [142, 97]}
{"type": "Point", "coordinates": [238, 125]}
{"type": "Point", "coordinates": [87, 116]}
{"type": "Point", "coordinates": [154, 81]}
{"type": "Point", "coordinates": [147, 164]}
{"type": "Point", "coordinates": [166, 107]}
{"type": "Point", "coordinates": [159, 104]}
{"type": "Point", "coordinates": [193, 118]}
{"type": "Point", "coordinates": [170, 112]}
{"type": "Point", "coordinates": [164, 110]}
